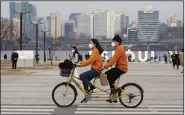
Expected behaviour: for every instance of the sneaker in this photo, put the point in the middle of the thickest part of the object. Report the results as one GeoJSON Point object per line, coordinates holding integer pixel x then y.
{"type": "Point", "coordinates": [111, 101]}
{"type": "Point", "coordinates": [91, 89]}
{"type": "Point", "coordinates": [84, 100]}
{"type": "Point", "coordinates": [112, 98]}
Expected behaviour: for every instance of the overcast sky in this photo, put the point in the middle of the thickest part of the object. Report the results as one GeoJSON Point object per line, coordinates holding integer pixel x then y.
{"type": "Point", "coordinates": [130, 8]}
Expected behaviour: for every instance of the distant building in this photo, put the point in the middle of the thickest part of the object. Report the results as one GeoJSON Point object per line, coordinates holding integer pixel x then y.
{"type": "Point", "coordinates": [117, 25]}
{"type": "Point", "coordinates": [132, 33]}
{"type": "Point", "coordinates": [53, 23]}
{"type": "Point", "coordinates": [69, 26]}
{"type": "Point", "coordinates": [173, 20]}
{"type": "Point", "coordinates": [163, 31]}
{"type": "Point", "coordinates": [124, 24]}
{"type": "Point", "coordinates": [104, 24]}
{"type": "Point", "coordinates": [28, 29]}
{"type": "Point", "coordinates": [84, 25]}
{"type": "Point", "coordinates": [175, 33]}
{"type": "Point", "coordinates": [16, 27]}
{"type": "Point", "coordinates": [42, 26]}
{"type": "Point", "coordinates": [148, 24]}
{"type": "Point", "coordinates": [73, 17]}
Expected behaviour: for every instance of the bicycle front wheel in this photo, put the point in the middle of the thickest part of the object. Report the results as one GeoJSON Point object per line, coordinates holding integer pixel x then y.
{"type": "Point", "coordinates": [64, 94]}
{"type": "Point", "coordinates": [132, 96]}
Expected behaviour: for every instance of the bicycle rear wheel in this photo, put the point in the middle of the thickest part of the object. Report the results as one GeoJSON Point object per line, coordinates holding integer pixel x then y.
{"type": "Point", "coordinates": [64, 94]}
{"type": "Point", "coordinates": [127, 97]}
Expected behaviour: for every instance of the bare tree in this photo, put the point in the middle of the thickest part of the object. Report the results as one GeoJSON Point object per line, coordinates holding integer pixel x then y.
{"type": "Point", "coordinates": [7, 29]}
{"type": "Point", "coordinates": [55, 44]}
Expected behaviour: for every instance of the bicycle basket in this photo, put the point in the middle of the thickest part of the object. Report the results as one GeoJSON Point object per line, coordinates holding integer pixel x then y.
{"type": "Point", "coordinates": [65, 72]}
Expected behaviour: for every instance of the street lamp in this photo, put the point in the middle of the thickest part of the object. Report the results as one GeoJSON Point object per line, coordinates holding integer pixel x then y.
{"type": "Point", "coordinates": [44, 44]}
{"type": "Point", "coordinates": [36, 37]}
{"type": "Point", "coordinates": [21, 13]}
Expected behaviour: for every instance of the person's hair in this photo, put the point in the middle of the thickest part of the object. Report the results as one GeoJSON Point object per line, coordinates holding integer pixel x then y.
{"type": "Point", "coordinates": [95, 41]}
{"type": "Point", "coordinates": [117, 38]}
{"type": "Point", "coordinates": [182, 50]}
{"type": "Point", "coordinates": [76, 51]}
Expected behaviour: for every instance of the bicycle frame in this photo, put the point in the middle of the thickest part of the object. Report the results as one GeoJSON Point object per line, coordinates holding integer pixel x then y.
{"type": "Point", "coordinates": [73, 79]}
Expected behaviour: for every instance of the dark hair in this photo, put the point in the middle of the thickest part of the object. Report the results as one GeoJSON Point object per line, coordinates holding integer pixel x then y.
{"type": "Point", "coordinates": [182, 50]}
{"type": "Point", "coordinates": [95, 41]}
{"type": "Point", "coordinates": [76, 51]}
{"type": "Point", "coordinates": [117, 39]}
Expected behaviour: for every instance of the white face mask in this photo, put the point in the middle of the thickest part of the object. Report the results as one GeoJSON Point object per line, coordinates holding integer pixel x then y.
{"type": "Point", "coordinates": [113, 44]}
{"type": "Point", "coordinates": [90, 46]}
{"type": "Point", "coordinates": [73, 51]}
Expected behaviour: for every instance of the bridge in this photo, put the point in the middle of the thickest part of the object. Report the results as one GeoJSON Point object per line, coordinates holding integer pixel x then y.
{"type": "Point", "coordinates": [70, 42]}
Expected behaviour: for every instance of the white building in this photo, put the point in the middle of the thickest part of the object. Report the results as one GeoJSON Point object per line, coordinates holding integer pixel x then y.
{"type": "Point", "coordinates": [16, 27]}
{"type": "Point", "coordinates": [173, 20]}
{"type": "Point", "coordinates": [104, 24]}
{"type": "Point", "coordinates": [54, 25]}
{"type": "Point", "coordinates": [117, 24]}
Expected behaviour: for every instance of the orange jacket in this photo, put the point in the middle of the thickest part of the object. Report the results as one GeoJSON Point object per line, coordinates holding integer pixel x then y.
{"type": "Point", "coordinates": [95, 60]}
{"type": "Point", "coordinates": [120, 58]}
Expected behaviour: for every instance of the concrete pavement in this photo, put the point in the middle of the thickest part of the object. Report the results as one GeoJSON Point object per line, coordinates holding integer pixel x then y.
{"type": "Point", "coordinates": [31, 94]}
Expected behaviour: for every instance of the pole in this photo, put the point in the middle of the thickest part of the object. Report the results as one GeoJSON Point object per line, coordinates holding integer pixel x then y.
{"type": "Point", "coordinates": [44, 46]}
{"type": "Point", "coordinates": [36, 40]}
{"type": "Point", "coordinates": [20, 31]}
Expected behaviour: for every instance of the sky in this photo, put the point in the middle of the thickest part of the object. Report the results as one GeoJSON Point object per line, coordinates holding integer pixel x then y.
{"type": "Point", "coordinates": [129, 8]}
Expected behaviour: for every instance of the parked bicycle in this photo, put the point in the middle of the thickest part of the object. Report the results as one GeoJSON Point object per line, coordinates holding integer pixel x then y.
{"type": "Point", "coordinates": [65, 94]}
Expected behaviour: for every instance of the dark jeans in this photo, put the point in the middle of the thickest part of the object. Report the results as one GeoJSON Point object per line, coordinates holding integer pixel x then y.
{"type": "Point", "coordinates": [112, 75]}
{"type": "Point", "coordinates": [87, 76]}
{"type": "Point", "coordinates": [14, 64]}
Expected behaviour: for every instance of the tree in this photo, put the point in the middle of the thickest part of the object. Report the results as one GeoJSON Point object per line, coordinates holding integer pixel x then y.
{"type": "Point", "coordinates": [7, 29]}
{"type": "Point", "coordinates": [55, 44]}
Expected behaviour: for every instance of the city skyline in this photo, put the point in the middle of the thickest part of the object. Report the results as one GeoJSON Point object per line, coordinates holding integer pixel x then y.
{"type": "Point", "coordinates": [165, 8]}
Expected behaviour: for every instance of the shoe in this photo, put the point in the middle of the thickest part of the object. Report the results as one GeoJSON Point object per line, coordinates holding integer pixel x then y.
{"type": "Point", "coordinates": [91, 89]}
{"type": "Point", "coordinates": [84, 100]}
{"type": "Point", "coordinates": [117, 90]}
{"type": "Point", "coordinates": [111, 101]}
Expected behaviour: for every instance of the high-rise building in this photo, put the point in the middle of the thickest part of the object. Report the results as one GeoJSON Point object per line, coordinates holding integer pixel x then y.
{"type": "Point", "coordinates": [69, 26]}
{"type": "Point", "coordinates": [163, 31]}
{"type": "Point", "coordinates": [104, 24]}
{"type": "Point", "coordinates": [124, 23]}
{"type": "Point", "coordinates": [117, 24]}
{"type": "Point", "coordinates": [84, 25]}
{"type": "Point", "coordinates": [28, 29]}
{"type": "Point", "coordinates": [54, 25]}
{"type": "Point", "coordinates": [14, 7]}
{"type": "Point", "coordinates": [148, 24]}
{"type": "Point", "coordinates": [73, 17]}
{"type": "Point", "coordinates": [132, 33]}
{"type": "Point", "coordinates": [173, 20]}
{"type": "Point", "coordinates": [42, 26]}
{"type": "Point", "coordinates": [16, 28]}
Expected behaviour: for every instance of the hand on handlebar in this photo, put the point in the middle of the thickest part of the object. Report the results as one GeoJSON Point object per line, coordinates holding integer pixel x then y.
{"type": "Point", "coordinates": [76, 65]}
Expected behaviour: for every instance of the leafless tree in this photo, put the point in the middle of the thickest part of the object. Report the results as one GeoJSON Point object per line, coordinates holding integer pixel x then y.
{"type": "Point", "coordinates": [55, 44]}
{"type": "Point", "coordinates": [7, 29]}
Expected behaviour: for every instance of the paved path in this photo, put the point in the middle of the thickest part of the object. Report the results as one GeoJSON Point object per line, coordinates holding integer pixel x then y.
{"type": "Point", "coordinates": [31, 94]}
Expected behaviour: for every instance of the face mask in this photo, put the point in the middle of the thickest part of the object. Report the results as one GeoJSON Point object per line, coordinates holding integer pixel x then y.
{"type": "Point", "coordinates": [113, 44]}
{"type": "Point", "coordinates": [90, 46]}
{"type": "Point", "coordinates": [73, 51]}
